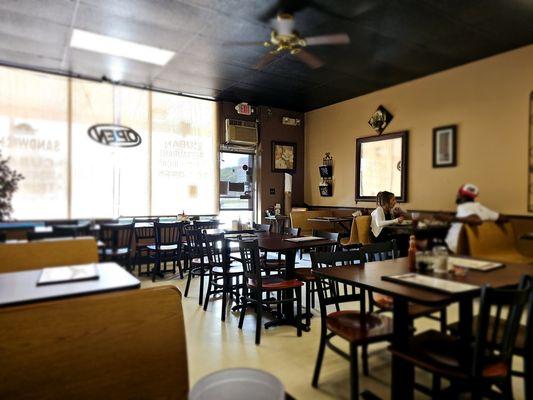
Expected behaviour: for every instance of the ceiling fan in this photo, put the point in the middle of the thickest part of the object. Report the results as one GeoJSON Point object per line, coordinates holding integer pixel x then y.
{"type": "Point", "coordinates": [284, 39]}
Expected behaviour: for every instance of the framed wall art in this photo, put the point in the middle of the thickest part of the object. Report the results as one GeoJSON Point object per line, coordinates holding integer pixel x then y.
{"type": "Point", "coordinates": [445, 146]}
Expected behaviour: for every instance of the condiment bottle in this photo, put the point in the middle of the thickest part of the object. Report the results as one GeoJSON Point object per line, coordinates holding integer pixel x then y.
{"type": "Point", "coordinates": [411, 253]}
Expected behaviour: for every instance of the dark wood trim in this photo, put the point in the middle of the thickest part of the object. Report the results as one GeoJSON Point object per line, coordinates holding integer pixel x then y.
{"type": "Point", "coordinates": [454, 146]}
{"type": "Point", "coordinates": [405, 163]}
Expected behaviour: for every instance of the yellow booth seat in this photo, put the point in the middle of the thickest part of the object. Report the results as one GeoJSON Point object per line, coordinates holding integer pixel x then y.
{"type": "Point", "coordinates": [363, 229]}
{"type": "Point", "coordinates": [23, 256]}
{"type": "Point", "coordinates": [107, 346]}
{"type": "Point", "coordinates": [494, 241]}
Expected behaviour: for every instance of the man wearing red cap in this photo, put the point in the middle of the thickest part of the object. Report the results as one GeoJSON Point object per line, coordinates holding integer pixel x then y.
{"type": "Point", "coordinates": [468, 211]}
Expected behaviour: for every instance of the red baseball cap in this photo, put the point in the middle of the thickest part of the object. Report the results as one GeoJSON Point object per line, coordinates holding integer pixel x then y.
{"type": "Point", "coordinates": [469, 190]}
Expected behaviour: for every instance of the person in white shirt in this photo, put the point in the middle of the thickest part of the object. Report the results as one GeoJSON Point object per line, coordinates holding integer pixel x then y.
{"type": "Point", "coordinates": [468, 211]}
{"type": "Point", "coordinates": [384, 215]}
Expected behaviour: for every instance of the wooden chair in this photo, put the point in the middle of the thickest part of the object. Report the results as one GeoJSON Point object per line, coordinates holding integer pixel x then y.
{"type": "Point", "coordinates": [223, 276]}
{"type": "Point", "coordinates": [263, 227]}
{"type": "Point", "coordinates": [47, 253]}
{"type": "Point", "coordinates": [473, 367]}
{"type": "Point", "coordinates": [96, 347]}
{"type": "Point", "coordinates": [117, 239]}
{"type": "Point", "coordinates": [2, 237]}
{"type": "Point", "coordinates": [523, 346]}
{"type": "Point", "coordinates": [256, 285]}
{"type": "Point", "coordinates": [305, 274]}
{"type": "Point", "coordinates": [144, 236]}
{"type": "Point", "coordinates": [167, 247]}
{"type": "Point", "coordinates": [196, 256]}
{"type": "Point", "coordinates": [357, 327]}
{"type": "Point", "coordinates": [277, 264]}
{"type": "Point", "coordinates": [202, 225]}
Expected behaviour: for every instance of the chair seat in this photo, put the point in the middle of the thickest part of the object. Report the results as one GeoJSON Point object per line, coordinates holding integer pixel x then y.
{"type": "Point", "coordinates": [415, 310]}
{"type": "Point", "coordinates": [116, 252]}
{"type": "Point", "coordinates": [165, 247]}
{"type": "Point", "coordinates": [233, 270]}
{"type": "Point", "coordinates": [273, 264]}
{"type": "Point", "coordinates": [305, 274]}
{"type": "Point", "coordinates": [446, 355]}
{"type": "Point", "coordinates": [277, 283]}
{"type": "Point", "coordinates": [355, 328]}
{"type": "Point", "coordinates": [520, 344]}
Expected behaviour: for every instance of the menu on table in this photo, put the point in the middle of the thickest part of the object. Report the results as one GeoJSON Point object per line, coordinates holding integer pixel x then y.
{"type": "Point", "coordinates": [67, 274]}
{"type": "Point", "coordinates": [430, 282]}
{"type": "Point", "coordinates": [478, 265]}
{"type": "Point", "coordinates": [303, 239]}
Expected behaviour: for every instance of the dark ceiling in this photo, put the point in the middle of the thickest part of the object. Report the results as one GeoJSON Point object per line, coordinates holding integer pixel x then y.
{"type": "Point", "coordinates": [392, 41]}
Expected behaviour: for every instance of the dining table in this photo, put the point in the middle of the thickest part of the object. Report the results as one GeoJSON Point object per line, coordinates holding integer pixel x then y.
{"type": "Point", "coordinates": [284, 244]}
{"type": "Point", "coordinates": [343, 222]}
{"type": "Point", "coordinates": [373, 276]}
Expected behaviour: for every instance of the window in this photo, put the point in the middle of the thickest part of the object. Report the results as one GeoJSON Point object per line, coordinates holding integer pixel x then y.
{"type": "Point", "coordinates": [184, 157]}
{"type": "Point", "coordinates": [34, 135]}
{"type": "Point", "coordinates": [68, 174]}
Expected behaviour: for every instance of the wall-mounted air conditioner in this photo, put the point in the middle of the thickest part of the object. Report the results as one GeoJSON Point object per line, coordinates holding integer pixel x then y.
{"type": "Point", "coordinates": [241, 133]}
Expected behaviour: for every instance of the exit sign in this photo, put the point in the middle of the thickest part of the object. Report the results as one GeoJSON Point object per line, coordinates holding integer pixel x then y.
{"type": "Point", "coordinates": [244, 109]}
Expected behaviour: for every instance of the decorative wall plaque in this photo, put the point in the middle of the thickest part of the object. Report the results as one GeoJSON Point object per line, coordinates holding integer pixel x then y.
{"type": "Point", "coordinates": [380, 119]}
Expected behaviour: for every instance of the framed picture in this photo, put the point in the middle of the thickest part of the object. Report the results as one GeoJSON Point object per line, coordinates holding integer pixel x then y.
{"type": "Point", "coordinates": [445, 146]}
{"type": "Point", "coordinates": [381, 164]}
{"type": "Point", "coordinates": [283, 157]}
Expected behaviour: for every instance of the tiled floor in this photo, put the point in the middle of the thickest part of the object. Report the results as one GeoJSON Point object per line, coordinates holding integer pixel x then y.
{"type": "Point", "coordinates": [213, 345]}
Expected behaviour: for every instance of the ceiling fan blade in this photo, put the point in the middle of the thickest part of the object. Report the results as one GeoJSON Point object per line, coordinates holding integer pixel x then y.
{"type": "Point", "coordinates": [336, 38]}
{"type": "Point", "coordinates": [265, 60]}
{"type": "Point", "coordinates": [262, 43]}
{"type": "Point", "coordinates": [309, 59]}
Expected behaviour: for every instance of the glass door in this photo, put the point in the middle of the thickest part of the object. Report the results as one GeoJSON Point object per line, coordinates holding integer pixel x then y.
{"type": "Point", "coordinates": [237, 188]}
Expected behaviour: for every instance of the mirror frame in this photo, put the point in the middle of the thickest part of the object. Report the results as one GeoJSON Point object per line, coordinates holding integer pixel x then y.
{"type": "Point", "coordinates": [404, 135]}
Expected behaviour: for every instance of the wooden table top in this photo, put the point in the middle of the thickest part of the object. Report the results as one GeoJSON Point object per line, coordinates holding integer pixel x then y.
{"type": "Point", "coordinates": [370, 275]}
{"type": "Point", "coordinates": [270, 241]}
{"type": "Point", "coordinates": [21, 287]}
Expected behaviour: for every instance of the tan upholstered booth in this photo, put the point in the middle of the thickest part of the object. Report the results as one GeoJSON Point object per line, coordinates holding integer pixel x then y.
{"type": "Point", "coordinates": [22, 256]}
{"type": "Point", "coordinates": [363, 228]}
{"type": "Point", "coordinates": [299, 219]}
{"type": "Point", "coordinates": [122, 345]}
{"type": "Point", "coordinates": [354, 236]}
{"type": "Point", "coordinates": [494, 241]}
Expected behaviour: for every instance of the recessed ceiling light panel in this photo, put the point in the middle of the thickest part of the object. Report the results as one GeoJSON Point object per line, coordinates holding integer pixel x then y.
{"type": "Point", "coordinates": [117, 47]}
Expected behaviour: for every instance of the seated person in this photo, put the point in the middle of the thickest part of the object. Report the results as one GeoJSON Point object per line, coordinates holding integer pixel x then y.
{"type": "Point", "coordinates": [468, 211]}
{"type": "Point", "coordinates": [384, 215]}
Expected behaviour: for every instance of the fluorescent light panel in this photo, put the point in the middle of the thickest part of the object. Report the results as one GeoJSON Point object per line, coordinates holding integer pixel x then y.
{"type": "Point", "coordinates": [199, 96]}
{"type": "Point", "coordinates": [117, 47]}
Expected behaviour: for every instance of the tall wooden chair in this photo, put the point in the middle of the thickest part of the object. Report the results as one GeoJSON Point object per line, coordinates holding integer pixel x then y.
{"type": "Point", "coordinates": [167, 246]}
{"type": "Point", "coordinates": [224, 278]}
{"type": "Point", "coordinates": [144, 236]}
{"type": "Point", "coordinates": [197, 258]}
{"type": "Point", "coordinates": [357, 327]}
{"type": "Point", "coordinates": [256, 285]}
{"type": "Point", "coordinates": [117, 239]}
{"type": "Point", "coordinates": [473, 367]}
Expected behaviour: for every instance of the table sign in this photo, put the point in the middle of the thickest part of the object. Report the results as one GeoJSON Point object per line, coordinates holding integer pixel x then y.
{"type": "Point", "coordinates": [66, 274]}
{"type": "Point", "coordinates": [432, 283]}
{"type": "Point", "coordinates": [478, 265]}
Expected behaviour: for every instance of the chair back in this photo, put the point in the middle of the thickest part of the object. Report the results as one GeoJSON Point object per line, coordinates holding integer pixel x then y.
{"type": "Point", "coordinates": [215, 248]}
{"type": "Point", "coordinates": [495, 341]}
{"type": "Point", "coordinates": [116, 236]}
{"type": "Point", "coordinates": [380, 251]}
{"type": "Point", "coordinates": [329, 291]}
{"type": "Point", "coordinates": [334, 236]}
{"type": "Point", "coordinates": [2, 237]}
{"type": "Point", "coordinates": [143, 233]}
{"type": "Point", "coordinates": [363, 228]}
{"type": "Point", "coordinates": [95, 347]}
{"type": "Point", "coordinates": [263, 227]}
{"type": "Point", "coordinates": [251, 261]}
{"type": "Point", "coordinates": [168, 233]}
{"type": "Point", "coordinates": [195, 242]}
{"type": "Point", "coordinates": [72, 230]}
{"type": "Point", "coordinates": [202, 225]}
{"type": "Point", "coordinates": [292, 231]}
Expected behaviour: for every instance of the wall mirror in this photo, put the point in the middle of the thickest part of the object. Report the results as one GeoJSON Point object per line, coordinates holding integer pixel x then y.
{"type": "Point", "coordinates": [381, 164]}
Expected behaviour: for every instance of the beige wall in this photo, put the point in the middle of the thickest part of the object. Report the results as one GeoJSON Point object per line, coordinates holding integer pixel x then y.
{"type": "Point", "coordinates": [488, 100]}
